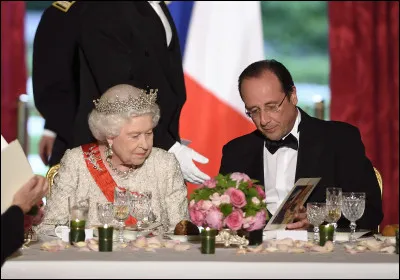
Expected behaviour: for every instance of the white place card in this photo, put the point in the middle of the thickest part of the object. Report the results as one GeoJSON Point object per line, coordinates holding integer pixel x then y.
{"type": "Point", "coordinates": [293, 234]}
{"type": "Point", "coordinates": [15, 171]}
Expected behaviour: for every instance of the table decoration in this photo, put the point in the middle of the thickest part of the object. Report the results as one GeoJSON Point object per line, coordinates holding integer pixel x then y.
{"type": "Point", "coordinates": [208, 241]}
{"type": "Point", "coordinates": [105, 238]}
{"type": "Point", "coordinates": [229, 203]}
{"type": "Point", "coordinates": [77, 231]}
{"type": "Point", "coordinates": [326, 233]}
{"type": "Point", "coordinates": [397, 241]}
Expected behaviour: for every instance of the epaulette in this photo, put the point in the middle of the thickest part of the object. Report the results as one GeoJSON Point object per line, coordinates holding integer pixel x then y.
{"type": "Point", "coordinates": [63, 5]}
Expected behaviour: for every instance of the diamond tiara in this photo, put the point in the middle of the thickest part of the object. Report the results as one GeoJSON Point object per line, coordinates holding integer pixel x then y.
{"type": "Point", "coordinates": [144, 102]}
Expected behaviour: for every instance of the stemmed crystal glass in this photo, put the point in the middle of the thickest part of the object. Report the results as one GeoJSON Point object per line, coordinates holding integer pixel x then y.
{"type": "Point", "coordinates": [353, 208]}
{"type": "Point", "coordinates": [316, 213]}
{"type": "Point", "coordinates": [105, 212]}
{"type": "Point", "coordinates": [333, 207]}
{"type": "Point", "coordinates": [140, 207]}
{"type": "Point", "coordinates": [121, 210]}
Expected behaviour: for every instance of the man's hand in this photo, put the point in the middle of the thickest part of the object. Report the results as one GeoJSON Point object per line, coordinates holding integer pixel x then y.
{"type": "Point", "coordinates": [186, 156]}
{"type": "Point", "coordinates": [300, 220]}
{"type": "Point", "coordinates": [31, 193]}
{"type": "Point", "coordinates": [46, 147]}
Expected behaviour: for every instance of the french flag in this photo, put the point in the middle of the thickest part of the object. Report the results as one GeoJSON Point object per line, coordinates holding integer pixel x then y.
{"type": "Point", "coordinates": [218, 40]}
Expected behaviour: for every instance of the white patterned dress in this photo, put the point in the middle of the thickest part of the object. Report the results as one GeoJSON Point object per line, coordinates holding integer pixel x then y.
{"type": "Point", "coordinates": [159, 174]}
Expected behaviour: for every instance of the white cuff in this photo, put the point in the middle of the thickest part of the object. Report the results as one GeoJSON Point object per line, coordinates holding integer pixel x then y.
{"type": "Point", "coordinates": [49, 133]}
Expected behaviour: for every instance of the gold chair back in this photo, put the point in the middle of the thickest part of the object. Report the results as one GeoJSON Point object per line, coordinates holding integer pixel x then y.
{"type": "Point", "coordinates": [380, 183]}
{"type": "Point", "coordinates": [379, 178]}
{"type": "Point", "coordinates": [51, 173]}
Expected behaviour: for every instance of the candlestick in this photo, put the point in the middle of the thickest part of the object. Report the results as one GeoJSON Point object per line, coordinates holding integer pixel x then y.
{"type": "Point", "coordinates": [77, 231]}
{"type": "Point", "coordinates": [326, 233]}
{"type": "Point", "coordinates": [106, 238]}
{"type": "Point", "coordinates": [208, 241]}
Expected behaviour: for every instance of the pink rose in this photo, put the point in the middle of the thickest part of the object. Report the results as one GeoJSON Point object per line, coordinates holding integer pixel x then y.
{"type": "Point", "coordinates": [234, 220]}
{"type": "Point", "coordinates": [237, 176]}
{"type": "Point", "coordinates": [204, 205]}
{"type": "Point", "coordinates": [261, 192]}
{"type": "Point", "coordinates": [259, 221]}
{"type": "Point", "coordinates": [248, 221]}
{"type": "Point", "coordinates": [211, 183]}
{"type": "Point", "coordinates": [237, 197]}
{"type": "Point", "coordinates": [214, 218]}
{"type": "Point", "coordinates": [196, 216]}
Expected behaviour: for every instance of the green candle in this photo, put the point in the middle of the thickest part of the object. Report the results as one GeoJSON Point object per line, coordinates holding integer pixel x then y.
{"type": "Point", "coordinates": [105, 238]}
{"type": "Point", "coordinates": [77, 231]}
{"type": "Point", "coordinates": [208, 241]}
{"type": "Point", "coordinates": [326, 233]}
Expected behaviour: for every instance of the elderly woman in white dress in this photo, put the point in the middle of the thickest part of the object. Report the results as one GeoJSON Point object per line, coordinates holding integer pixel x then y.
{"type": "Point", "coordinates": [122, 121]}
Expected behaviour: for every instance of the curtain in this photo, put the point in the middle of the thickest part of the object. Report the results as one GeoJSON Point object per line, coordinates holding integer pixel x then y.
{"type": "Point", "coordinates": [364, 81]}
{"type": "Point", "coordinates": [13, 68]}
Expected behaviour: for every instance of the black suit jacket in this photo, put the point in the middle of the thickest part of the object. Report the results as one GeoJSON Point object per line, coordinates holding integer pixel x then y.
{"type": "Point", "coordinates": [81, 53]}
{"type": "Point", "coordinates": [328, 149]}
{"type": "Point", "coordinates": [12, 231]}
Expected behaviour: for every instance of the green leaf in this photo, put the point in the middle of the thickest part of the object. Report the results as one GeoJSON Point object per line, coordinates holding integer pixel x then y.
{"type": "Point", "coordinates": [226, 209]}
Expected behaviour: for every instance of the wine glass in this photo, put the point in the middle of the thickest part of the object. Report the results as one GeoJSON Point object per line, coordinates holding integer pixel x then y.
{"type": "Point", "coordinates": [140, 207]}
{"type": "Point", "coordinates": [333, 207]}
{"type": "Point", "coordinates": [121, 210]}
{"type": "Point", "coordinates": [353, 208]}
{"type": "Point", "coordinates": [316, 212]}
{"type": "Point", "coordinates": [105, 212]}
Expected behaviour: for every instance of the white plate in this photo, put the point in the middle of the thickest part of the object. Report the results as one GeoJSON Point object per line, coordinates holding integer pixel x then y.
{"type": "Point", "coordinates": [383, 238]}
{"type": "Point", "coordinates": [184, 238]}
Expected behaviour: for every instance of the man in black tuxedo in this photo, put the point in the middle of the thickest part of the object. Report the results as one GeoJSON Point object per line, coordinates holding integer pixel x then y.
{"type": "Point", "coordinates": [131, 42]}
{"type": "Point", "coordinates": [289, 144]}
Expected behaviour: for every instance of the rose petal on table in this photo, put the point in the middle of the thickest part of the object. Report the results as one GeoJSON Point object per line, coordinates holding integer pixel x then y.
{"type": "Point", "coordinates": [140, 242]}
{"type": "Point", "coordinates": [171, 243]}
{"type": "Point", "coordinates": [150, 250]}
{"type": "Point", "coordinates": [389, 249]}
{"type": "Point", "coordinates": [257, 249]}
{"type": "Point", "coordinates": [241, 251]}
{"type": "Point", "coordinates": [182, 247]}
{"type": "Point", "coordinates": [270, 249]}
{"type": "Point", "coordinates": [296, 250]}
{"type": "Point", "coordinates": [80, 244]}
{"type": "Point", "coordinates": [93, 247]}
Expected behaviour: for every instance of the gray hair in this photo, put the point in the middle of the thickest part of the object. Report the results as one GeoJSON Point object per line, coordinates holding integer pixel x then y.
{"type": "Point", "coordinates": [105, 125]}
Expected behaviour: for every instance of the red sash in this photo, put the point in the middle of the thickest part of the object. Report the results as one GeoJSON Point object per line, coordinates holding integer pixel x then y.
{"type": "Point", "coordinates": [102, 177]}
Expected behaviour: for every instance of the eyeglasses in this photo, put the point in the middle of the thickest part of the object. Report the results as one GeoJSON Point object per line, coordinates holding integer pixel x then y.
{"type": "Point", "coordinates": [256, 112]}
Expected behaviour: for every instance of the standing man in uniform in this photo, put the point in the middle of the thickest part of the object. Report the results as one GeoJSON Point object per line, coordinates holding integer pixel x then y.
{"type": "Point", "coordinates": [125, 42]}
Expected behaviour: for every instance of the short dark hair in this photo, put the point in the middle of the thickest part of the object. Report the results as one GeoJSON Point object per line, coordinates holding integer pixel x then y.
{"type": "Point", "coordinates": [258, 68]}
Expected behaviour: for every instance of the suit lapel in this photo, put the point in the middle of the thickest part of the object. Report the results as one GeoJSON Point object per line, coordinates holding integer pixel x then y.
{"type": "Point", "coordinates": [254, 157]}
{"type": "Point", "coordinates": [310, 147]}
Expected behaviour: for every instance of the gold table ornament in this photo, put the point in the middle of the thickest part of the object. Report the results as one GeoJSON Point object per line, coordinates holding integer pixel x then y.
{"type": "Point", "coordinates": [229, 237]}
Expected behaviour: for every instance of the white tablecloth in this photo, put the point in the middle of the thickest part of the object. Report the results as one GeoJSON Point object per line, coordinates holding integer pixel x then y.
{"type": "Point", "coordinates": [167, 263]}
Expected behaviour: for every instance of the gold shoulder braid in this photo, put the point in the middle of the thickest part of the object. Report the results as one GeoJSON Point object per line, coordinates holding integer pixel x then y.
{"type": "Point", "coordinates": [143, 102]}
{"type": "Point", "coordinates": [63, 5]}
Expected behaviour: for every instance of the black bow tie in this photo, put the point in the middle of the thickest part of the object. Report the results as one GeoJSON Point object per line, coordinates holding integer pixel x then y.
{"type": "Point", "coordinates": [290, 141]}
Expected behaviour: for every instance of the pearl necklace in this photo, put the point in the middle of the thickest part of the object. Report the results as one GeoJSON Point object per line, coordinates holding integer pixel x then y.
{"type": "Point", "coordinates": [122, 174]}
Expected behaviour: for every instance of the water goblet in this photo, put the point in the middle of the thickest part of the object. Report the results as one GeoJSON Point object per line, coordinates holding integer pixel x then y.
{"type": "Point", "coordinates": [105, 212]}
{"type": "Point", "coordinates": [140, 207]}
{"type": "Point", "coordinates": [353, 208]}
{"type": "Point", "coordinates": [316, 212]}
{"type": "Point", "coordinates": [333, 207]}
{"type": "Point", "coordinates": [121, 210]}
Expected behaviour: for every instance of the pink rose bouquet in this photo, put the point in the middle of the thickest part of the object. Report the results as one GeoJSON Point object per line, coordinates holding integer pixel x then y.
{"type": "Point", "coordinates": [232, 201]}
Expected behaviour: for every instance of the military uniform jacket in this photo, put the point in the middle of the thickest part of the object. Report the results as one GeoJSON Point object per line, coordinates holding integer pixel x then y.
{"type": "Point", "coordinates": [82, 52]}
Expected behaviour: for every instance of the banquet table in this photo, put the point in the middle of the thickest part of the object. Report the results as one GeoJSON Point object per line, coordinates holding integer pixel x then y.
{"type": "Point", "coordinates": [225, 263]}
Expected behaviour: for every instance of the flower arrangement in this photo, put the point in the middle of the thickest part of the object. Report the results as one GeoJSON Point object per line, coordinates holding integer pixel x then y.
{"type": "Point", "coordinates": [34, 217]}
{"type": "Point", "coordinates": [233, 200]}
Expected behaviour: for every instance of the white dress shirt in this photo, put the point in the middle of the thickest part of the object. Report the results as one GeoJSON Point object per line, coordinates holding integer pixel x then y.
{"type": "Point", "coordinates": [168, 31]}
{"type": "Point", "coordinates": [280, 171]}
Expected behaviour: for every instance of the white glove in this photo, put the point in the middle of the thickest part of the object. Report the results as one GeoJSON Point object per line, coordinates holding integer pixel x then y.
{"type": "Point", "coordinates": [186, 156]}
